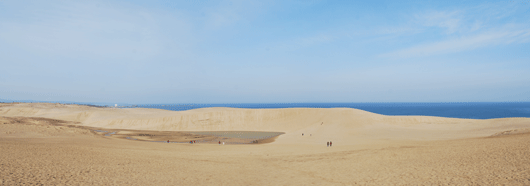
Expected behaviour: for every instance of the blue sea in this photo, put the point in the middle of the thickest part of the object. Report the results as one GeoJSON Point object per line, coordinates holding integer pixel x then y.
{"type": "Point", "coordinates": [469, 110]}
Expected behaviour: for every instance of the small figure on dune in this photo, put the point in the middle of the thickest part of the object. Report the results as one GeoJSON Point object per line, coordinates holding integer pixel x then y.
{"type": "Point", "coordinates": [330, 143]}
{"type": "Point", "coordinates": [219, 142]}
{"type": "Point", "coordinates": [302, 134]}
{"type": "Point", "coordinates": [327, 143]}
{"type": "Point", "coordinates": [191, 142]}
{"type": "Point", "coordinates": [167, 141]}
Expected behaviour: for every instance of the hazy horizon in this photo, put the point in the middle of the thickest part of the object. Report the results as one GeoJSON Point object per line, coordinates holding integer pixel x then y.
{"type": "Point", "coordinates": [248, 103]}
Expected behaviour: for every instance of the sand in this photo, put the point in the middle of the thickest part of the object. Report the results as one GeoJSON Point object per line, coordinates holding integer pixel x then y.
{"type": "Point", "coordinates": [53, 144]}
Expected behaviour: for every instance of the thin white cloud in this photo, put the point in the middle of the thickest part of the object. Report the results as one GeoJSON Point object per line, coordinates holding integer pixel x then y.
{"type": "Point", "coordinates": [465, 29]}
{"type": "Point", "coordinates": [232, 11]}
{"type": "Point", "coordinates": [451, 21]}
{"type": "Point", "coordinates": [88, 29]}
{"type": "Point", "coordinates": [463, 44]}
{"type": "Point", "coordinates": [465, 20]}
{"type": "Point", "coordinates": [309, 41]}
{"type": "Point", "coordinates": [302, 42]}
{"type": "Point", "coordinates": [394, 30]}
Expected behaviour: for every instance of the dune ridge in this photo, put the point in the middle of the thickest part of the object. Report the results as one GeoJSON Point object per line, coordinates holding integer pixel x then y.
{"type": "Point", "coordinates": [368, 149]}
{"type": "Point", "coordinates": [341, 124]}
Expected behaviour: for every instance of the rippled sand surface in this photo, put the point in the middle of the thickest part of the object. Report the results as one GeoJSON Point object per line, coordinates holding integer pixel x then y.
{"type": "Point", "coordinates": [58, 145]}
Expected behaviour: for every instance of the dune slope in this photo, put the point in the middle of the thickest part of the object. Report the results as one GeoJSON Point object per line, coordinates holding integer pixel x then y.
{"type": "Point", "coordinates": [368, 149]}
{"type": "Point", "coordinates": [342, 125]}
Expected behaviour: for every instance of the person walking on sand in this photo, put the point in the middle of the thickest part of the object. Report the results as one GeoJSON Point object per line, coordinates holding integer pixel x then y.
{"type": "Point", "coordinates": [167, 141]}
{"type": "Point", "coordinates": [219, 142]}
{"type": "Point", "coordinates": [302, 134]}
{"type": "Point", "coordinates": [328, 143]}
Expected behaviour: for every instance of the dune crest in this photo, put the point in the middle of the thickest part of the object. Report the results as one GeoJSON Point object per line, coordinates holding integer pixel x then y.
{"type": "Point", "coordinates": [342, 124]}
{"type": "Point", "coordinates": [54, 144]}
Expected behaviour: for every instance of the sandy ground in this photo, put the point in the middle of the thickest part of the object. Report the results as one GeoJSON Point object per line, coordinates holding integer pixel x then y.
{"type": "Point", "coordinates": [37, 147]}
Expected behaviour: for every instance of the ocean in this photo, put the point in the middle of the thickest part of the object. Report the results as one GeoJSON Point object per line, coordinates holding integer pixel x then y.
{"type": "Point", "coordinates": [469, 110]}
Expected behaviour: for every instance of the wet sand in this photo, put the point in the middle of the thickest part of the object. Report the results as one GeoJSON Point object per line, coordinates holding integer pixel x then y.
{"type": "Point", "coordinates": [57, 145]}
{"type": "Point", "coordinates": [210, 137]}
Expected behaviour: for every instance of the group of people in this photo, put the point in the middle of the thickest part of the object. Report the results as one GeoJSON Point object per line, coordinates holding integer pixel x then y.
{"type": "Point", "coordinates": [220, 142]}
{"type": "Point", "coordinates": [191, 142]}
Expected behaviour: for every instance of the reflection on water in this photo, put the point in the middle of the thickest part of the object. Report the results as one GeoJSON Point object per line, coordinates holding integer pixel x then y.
{"type": "Point", "coordinates": [240, 134]}
{"type": "Point", "coordinates": [212, 137]}
{"type": "Point", "coordinates": [109, 134]}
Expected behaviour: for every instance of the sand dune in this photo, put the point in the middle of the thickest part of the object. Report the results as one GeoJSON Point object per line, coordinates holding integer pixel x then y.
{"type": "Point", "coordinates": [340, 124]}
{"type": "Point", "coordinates": [369, 149]}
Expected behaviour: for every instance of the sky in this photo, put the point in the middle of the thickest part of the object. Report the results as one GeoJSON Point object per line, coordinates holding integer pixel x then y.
{"type": "Point", "coordinates": [142, 52]}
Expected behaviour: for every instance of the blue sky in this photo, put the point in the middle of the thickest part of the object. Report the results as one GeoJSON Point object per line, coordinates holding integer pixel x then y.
{"type": "Point", "coordinates": [264, 51]}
